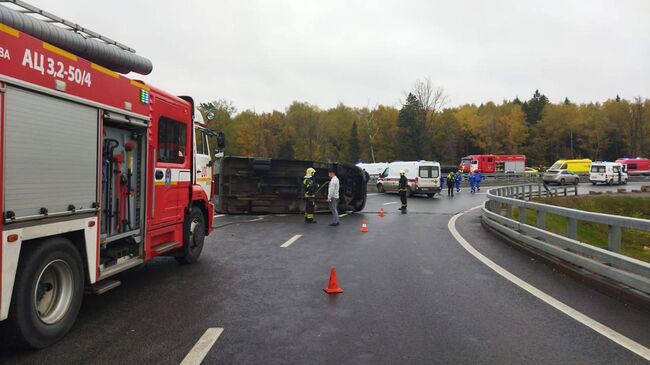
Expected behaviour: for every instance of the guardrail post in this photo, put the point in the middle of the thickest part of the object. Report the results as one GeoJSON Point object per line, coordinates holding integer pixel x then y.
{"type": "Point", "coordinates": [565, 191]}
{"type": "Point", "coordinates": [509, 211]}
{"type": "Point", "coordinates": [522, 215]}
{"type": "Point", "coordinates": [614, 239]}
{"type": "Point", "coordinates": [572, 228]}
{"type": "Point", "coordinates": [541, 220]}
{"type": "Point", "coordinates": [575, 189]}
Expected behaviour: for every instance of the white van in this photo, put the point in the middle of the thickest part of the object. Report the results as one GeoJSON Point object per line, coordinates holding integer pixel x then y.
{"type": "Point", "coordinates": [607, 173]}
{"type": "Point", "coordinates": [423, 177]}
{"type": "Point", "coordinates": [373, 169]}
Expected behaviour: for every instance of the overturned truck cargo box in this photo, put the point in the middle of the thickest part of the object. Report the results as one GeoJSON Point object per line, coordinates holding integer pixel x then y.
{"type": "Point", "coordinates": [249, 185]}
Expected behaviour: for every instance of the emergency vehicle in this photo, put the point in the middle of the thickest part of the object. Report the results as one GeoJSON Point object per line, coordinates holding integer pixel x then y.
{"type": "Point", "coordinates": [607, 173]}
{"type": "Point", "coordinates": [423, 177]}
{"type": "Point", "coordinates": [373, 169]}
{"type": "Point", "coordinates": [577, 166]}
{"type": "Point", "coordinates": [488, 164]}
{"type": "Point", "coordinates": [99, 173]}
{"type": "Point", "coordinates": [635, 166]}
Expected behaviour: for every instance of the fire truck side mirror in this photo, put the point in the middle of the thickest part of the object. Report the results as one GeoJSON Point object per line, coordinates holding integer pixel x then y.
{"type": "Point", "coordinates": [221, 142]}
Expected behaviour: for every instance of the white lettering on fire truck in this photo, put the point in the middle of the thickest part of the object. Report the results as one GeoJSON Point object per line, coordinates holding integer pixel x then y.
{"type": "Point", "coordinates": [57, 69]}
{"type": "Point", "coordinates": [4, 54]}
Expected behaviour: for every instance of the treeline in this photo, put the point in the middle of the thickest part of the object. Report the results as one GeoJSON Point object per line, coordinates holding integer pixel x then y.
{"type": "Point", "coordinates": [425, 128]}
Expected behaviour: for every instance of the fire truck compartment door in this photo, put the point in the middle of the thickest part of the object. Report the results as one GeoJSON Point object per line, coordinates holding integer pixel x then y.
{"type": "Point", "coordinates": [50, 154]}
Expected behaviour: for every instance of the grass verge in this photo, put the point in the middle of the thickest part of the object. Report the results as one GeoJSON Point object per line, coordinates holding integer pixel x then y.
{"type": "Point", "coordinates": [634, 243]}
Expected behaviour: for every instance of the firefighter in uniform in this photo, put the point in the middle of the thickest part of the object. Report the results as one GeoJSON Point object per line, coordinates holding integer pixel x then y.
{"type": "Point", "coordinates": [403, 189]}
{"type": "Point", "coordinates": [309, 187]}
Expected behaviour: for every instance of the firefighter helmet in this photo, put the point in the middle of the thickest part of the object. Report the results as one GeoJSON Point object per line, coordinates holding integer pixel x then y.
{"type": "Point", "coordinates": [402, 172]}
{"type": "Point", "coordinates": [310, 171]}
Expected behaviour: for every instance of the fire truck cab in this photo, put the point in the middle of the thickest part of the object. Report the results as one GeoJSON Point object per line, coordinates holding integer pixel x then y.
{"type": "Point", "coordinates": [99, 174]}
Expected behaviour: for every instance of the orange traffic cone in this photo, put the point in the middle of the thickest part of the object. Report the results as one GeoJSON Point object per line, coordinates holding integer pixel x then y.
{"type": "Point", "coordinates": [364, 227]}
{"type": "Point", "coordinates": [333, 287]}
{"type": "Point", "coordinates": [381, 212]}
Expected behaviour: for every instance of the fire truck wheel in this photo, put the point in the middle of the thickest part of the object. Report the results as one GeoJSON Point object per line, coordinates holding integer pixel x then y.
{"type": "Point", "coordinates": [380, 188]}
{"type": "Point", "coordinates": [194, 235]}
{"type": "Point", "coordinates": [47, 292]}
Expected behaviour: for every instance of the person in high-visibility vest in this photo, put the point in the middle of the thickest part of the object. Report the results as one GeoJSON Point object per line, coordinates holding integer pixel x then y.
{"type": "Point", "coordinates": [403, 189]}
{"type": "Point", "coordinates": [309, 187]}
{"type": "Point", "coordinates": [451, 179]}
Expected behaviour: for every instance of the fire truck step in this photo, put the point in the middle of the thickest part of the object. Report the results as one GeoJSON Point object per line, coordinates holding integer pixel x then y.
{"type": "Point", "coordinates": [163, 247]}
{"type": "Point", "coordinates": [103, 286]}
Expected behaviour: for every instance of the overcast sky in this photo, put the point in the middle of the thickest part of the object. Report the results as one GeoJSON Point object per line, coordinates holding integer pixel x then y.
{"type": "Point", "coordinates": [263, 55]}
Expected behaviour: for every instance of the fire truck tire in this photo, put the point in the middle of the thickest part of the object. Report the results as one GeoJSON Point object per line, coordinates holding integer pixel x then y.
{"type": "Point", "coordinates": [47, 292]}
{"type": "Point", "coordinates": [193, 237]}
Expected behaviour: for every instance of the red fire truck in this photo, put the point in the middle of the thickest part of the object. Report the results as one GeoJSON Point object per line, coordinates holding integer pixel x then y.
{"type": "Point", "coordinates": [100, 173]}
{"type": "Point", "coordinates": [635, 166]}
{"type": "Point", "coordinates": [487, 164]}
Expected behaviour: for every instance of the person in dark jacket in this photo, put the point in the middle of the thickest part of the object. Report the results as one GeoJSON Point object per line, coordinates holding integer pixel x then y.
{"type": "Point", "coordinates": [451, 180]}
{"type": "Point", "coordinates": [309, 186]}
{"type": "Point", "coordinates": [403, 189]}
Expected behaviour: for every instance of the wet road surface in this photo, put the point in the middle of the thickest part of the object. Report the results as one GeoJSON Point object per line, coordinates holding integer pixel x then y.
{"type": "Point", "coordinates": [412, 295]}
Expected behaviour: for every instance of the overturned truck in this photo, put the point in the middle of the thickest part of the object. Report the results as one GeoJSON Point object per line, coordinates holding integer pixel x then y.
{"type": "Point", "coordinates": [249, 185]}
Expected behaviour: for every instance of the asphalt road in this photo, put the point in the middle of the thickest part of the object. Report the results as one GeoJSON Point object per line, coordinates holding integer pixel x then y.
{"type": "Point", "coordinates": [412, 295]}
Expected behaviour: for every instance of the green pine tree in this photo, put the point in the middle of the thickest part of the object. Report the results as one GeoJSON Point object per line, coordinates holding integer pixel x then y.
{"type": "Point", "coordinates": [410, 133]}
{"type": "Point", "coordinates": [534, 107]}
{"type": "Point", "coordinates": [354, 148]}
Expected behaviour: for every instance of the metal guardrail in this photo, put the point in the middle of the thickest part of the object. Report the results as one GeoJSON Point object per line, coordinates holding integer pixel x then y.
{"type": "Point", "coordinates": [497, 214]}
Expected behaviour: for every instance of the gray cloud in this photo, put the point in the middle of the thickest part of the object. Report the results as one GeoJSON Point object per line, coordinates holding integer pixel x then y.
{"type": "Point", "coordinates": [265, 54]}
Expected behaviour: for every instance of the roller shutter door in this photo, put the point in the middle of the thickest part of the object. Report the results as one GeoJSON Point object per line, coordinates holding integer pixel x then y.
{"type": "Point", "coordinates": [50, 154]}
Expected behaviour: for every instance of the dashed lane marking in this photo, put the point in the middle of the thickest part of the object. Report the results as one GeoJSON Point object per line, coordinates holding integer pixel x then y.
{"type": "Point", "coordinates": [609, 333]}
{"type": "Point", "coordinates": [389, 203]}
{"type": "Point", "coordinates": [291, 240]}
{"type": "Point", "coordinates": [343, 215]}
{"type": "Point", "coordinates": [373, 194]}
{"type": "Point", "coordinates": [202, 347]}
{"type": "Point", "coordinates": [219, 215]}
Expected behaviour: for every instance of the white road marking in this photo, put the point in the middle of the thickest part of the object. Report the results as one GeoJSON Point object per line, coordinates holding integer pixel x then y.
{"type": "Point", "coordinates": [616, 337]}
{"type": "Point", "coordinates": [219, 215]}
{"type": "Point", "coordinates": [202, 347]}
{"type": "Point", "coordinates": [372, 194]}
{"type": "Point", "coordinates": [256, 219]}
{"type": "Point", "coordinates": [291, 240]}
{"type": "Point", "coordinates": [343, 215]}
{"type": "Point", "coordinates": [390, 203]}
